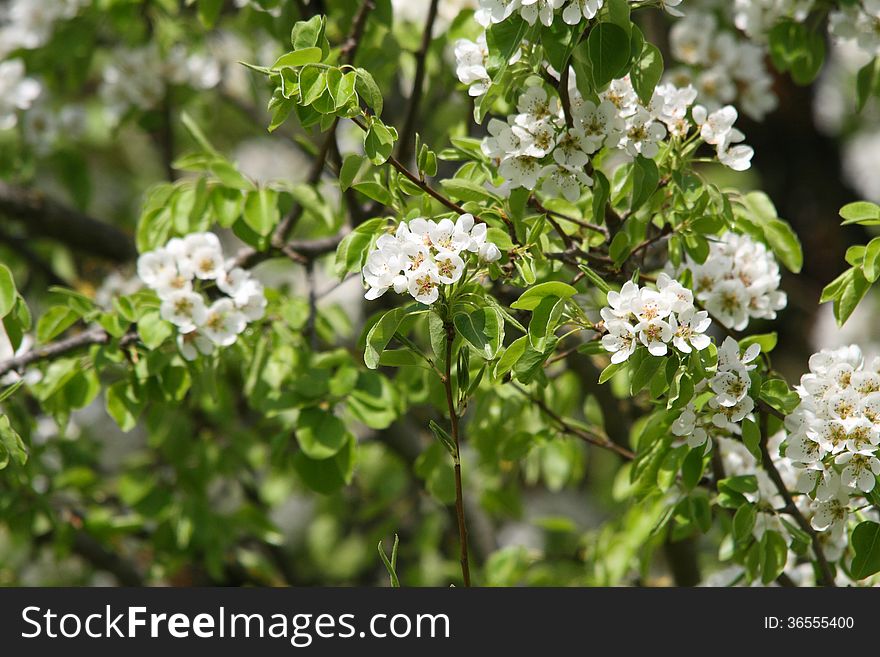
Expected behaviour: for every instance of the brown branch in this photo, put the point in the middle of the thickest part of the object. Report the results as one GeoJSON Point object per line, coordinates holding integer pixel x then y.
{"type": "Point", "coordinates": [47, 218]}
{"type": "Point", "coordinates": [453, 419]}
{"type": "Point", "coordinates": [347, 55]}
{"type": "Point", "coordinates": [588, 436]}
{"type": "Point", "coordinates": [404, 146]}
{"type": "Point", "coordinates": [415, 180]}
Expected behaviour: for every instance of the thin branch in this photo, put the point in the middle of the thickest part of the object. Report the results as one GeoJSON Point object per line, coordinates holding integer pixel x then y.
{"type": "Point", "coordinates": [453, 419]}
{"type": "Point", "coordinates": [588, 436]}
{"type": "Point", "coordinates": [47, 218]}
{"type": "Point", "coordinates": [415, 180]}
{"type": "Point", "coordinates": [404, 146]}
{"type": "Point", "coordinates": [300, 251]}
{"type": "Point", "coordinates": [348, 52]}
{"type": "Point", "coordinates": [791, 508]}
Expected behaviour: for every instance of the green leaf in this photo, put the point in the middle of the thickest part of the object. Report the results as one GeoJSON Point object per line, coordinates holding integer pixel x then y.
{"type": "Point", "coordinates": [530, 299]}
{"type": "Point", "coordinates": [56, 320]}
{"type": "Point", "coordinates": [369, 91]}
{"type": "Point", "coordinates": [483, 329]}
{"type": "Point", "coordinates": [608, 46]}
{"type": "Point", "coordinates": [467, 190]}
{"type": "Point", "coordinates": [744, 522]}
{"type": "Point", "coordinates": [391, 566]}
{"type": "Point", "coordinates": [374, 190]}
{"type": "Point", "coordinates": [351, 253]}
{"type": "Point", "coordinates": [261, 210]}
{"type": "Point", "coordinates": [351, 167]}
{"type": "Point", "coordinates": [320, 434]}
{"type": "Point", "coordinates": [775, 555]}
{"type": "Point", "coordinates": [122, 405]}
{"type": "Point", "coordinates": [867, 83]}
{"type": "Point", "coordinates": [7, 290]}
{"type": "Point", "coordinates": [777, 393]}
{"type": "Point", "coordinates": [861, 212]}
{"type": "Point", "coordinates": [545, 317]}
{"type": "Point", "coordinates": [510, 356]}
{"type": "Point", "coordinates": [444, 438]}
{"type": "Point", "coordinates": [312, 84]}
{"type": "Point", "coordinates": [11, 445]}
{"type": "Point", "coordinates": [692, 468]}
{"type": "Point", "coordinates": [751, 435]}
{"type": "Point", "coordinates": [383, 331]}
{"type": "Point", "coordinates": [866, 544]}
{"type": "Point", "coordinates": [643, 371]}
{"type": "Point", "coordinates": [503, 40]}
{"type": "Point", "coordinates": [646, 177]}
{"type": "Point", "coordinates": [379, 142]}
{"type": "Point", "coordinates": [306, 34]}
{"type": "Point", "coordinates": [327, 475]}
{"type": "Point", "coordinates": [767, 341]}
{"type": "Point", "coordinates": [298, 58]}
{"type": "Point", "coordinates": [760, 211]}
{"type": "Point", "coordinates": [646, 72]}
{"type": "Point", "coordinates": [854, 289]}
{"type": "Point", "coordinates": [153, 330]}
{"type": "Point", "coordinates": [871, 262]}
{"type": "Point", "coordinates": [796, 48]}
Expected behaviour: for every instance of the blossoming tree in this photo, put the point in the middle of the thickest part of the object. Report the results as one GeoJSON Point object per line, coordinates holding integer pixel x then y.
{"type": "Point", "coordinates": [509, 249]}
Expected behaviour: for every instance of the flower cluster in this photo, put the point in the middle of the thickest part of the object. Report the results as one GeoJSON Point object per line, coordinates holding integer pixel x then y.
{"type": "Point", "coordinates": [573, 11]}
{"type": "Point", "coordinates": [729, 402]}
{"type": "Point", "coordinates": [739, 280]}
{"type": "Point", "coordinates": [834, 434]}
{"type": "Point", "coordinates": [471, 59]}
{"type": "Point", "coordinates": [757, 17]}
{"type": "Point", "coordinates": [181, 273]}
{"type": "Point", "coordinates": [654, 318]}
{"type": "Point", "coordinates": [540, 145]}
{"type": "Point", "coordinates": [723, 67]}
{"type": "Point", "coordinates": [28, 24]}
{"type": "Point", "coordinates": [424, 254]}
{"type": "Point", "coordinates": [858, 22]}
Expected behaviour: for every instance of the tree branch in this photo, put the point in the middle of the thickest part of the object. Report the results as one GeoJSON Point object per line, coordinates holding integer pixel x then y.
{"type": "Point", "coordinates": [47, 218]}
{"type": "Point", "coordinates": [348, 52]}
{"type": "Point", "coordinates": [404, 146]}
{"type": "Point", "coordinates": [588, 436]}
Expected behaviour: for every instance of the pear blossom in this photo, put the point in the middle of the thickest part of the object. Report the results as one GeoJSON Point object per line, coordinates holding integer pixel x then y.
{"type": "Point", "coordinates": [423, 255]}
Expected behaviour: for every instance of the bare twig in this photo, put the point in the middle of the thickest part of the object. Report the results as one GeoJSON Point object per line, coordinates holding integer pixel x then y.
{"type": "Point", "coordinates": [404, 146]}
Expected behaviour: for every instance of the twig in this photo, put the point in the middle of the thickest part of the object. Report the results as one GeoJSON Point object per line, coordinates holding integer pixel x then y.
{"type": "Point", "coordinates": [453, 419]}
{"type": "Point", "coordinates": [348, 52]}
{"type": "Point", "coordinates": [404, 146]}
{"type": "Point", "coordinates": [588, 436]}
